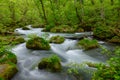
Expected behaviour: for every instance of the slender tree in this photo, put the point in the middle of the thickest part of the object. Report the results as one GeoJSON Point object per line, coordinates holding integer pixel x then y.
{"type": "Point", "coordinates": [93, 2]}
{"type": "Point", "coordinates": [80, 17]}
{"type": "Point", "coordinates": [102, 13]}
{"type": "Point", "coordinates": [53, 10]}
{"type": "Point", "coordinates": [112, 2]}
{"type": "Point", "coordinates": [44, 13]}
{"type": "Point", "coordinates": [12, 11]}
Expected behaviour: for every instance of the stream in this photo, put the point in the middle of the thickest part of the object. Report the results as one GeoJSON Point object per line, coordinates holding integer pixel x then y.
{"type": "Point", "coordinates": [68, 52]}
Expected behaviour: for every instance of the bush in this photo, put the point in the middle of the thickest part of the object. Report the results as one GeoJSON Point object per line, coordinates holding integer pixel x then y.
{"type": "Point", "coordinates": [51, 63]}
{"type": "Point", "coordinates": [112, 72]}
{"type": "Point", "coordinates": [103, 33]}
{"type": "Point", "coordinates": [88, 43]}
{"type": "Point", "coordinates": [49, 27]}
{"type": "Point", "coordinates": [57, 39]}
{"type": "Point", "coordinates": [37, 43]}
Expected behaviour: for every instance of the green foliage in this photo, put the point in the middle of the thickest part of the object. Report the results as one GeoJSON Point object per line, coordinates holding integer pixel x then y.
{"type": "Point", "coordinates": [103, 32]}
{"type": "Point", "coordinates": [88, 43]}
{"type": "Point", "coordinates": [2, 51]}
{"type": "Point", "coordinates": [37, 43]}
{"type": "Point", "coordinates": [49, 27]}
{"type": "Point", "coordinates": [57, 39]}
{"type": "Point", "coordinates": [51, 63]}
{"type": "Point", "coordinates": [76, 70]}
{"type": "Point", "coordinates": [7, 56]}
{"type": "Point", "coordinates": [88, 15]}
{"type": "Point", "coordinates": [112, 72]}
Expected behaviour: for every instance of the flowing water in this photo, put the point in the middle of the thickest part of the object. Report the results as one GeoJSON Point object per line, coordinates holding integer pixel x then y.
{"type": "Point", "coordinates": [67, 51]}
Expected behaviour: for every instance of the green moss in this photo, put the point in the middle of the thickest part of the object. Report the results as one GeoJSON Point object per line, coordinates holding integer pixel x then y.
{"type": "Point", "coordinates": [37, 43]}
{"type": "Point", "coordinates": [80, 30]}
{"type": "Point", "coordinates": [63, 29]}
{"type": "Point", "coordinates": [57, 39]}
{"type": "Point", "coordinates": [51, 63]}
{"type": "Point", "coordinates": [88, 43]}
{"type": "Point", "coordinates": [11, 40]}
{"type": "Point", "coordinates": [18, 40]}
{"type": "Point", "coordinates": [38, 25]}
{"type": "Point", "coordinates": [7, 71]}
{"type": "Point", "coordinates": [115, 39]}
{"type": "Point", "coordinates": [7, 57]}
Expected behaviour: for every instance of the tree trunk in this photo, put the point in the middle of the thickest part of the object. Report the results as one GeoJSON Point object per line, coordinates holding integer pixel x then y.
{"type": "Point", "coordinates": [92, 1]}
{"type": "Point", "coordinates": [77, 13]}
{"type": "Point", "coordinates": [53, 10]}
{"type": "Point", "coordinates": [43, 9]}
{"type": "Point", "coordinates": [38, 7]}
{"type": "Point", "coordinates": [12, 11]}
{"type": "Point", "coordinates": [112, 2]}
{"type": "Point", "coordinates": [82, 1]}
{"type": "Point", "coordinates": [102, 11]}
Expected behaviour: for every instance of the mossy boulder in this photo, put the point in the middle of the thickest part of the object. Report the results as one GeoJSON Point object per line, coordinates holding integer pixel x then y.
{"type": "Point", "coordinates": [103, 33]}
{"type": "Point", "coordinates": [63, 29]}
{"type": "Point", "coordinates": [116, 31]}
{"type": "Point", "coordinates": [7, 71]}
{"type": "Point", "coordinates": [38, 25]}
{"type": "Point", "coordinates": [80, 30]}
{"type": "Point", "coordinates": [37, 43]}
{"type": "Point", "coordinates": [115, 39]}
{"type": "Point", "coordinates": [18, 40]}
{"type": "Point", "coordinates": [7, 57]}
{"type": "Point", "coordinates": [57, 39]}
{"type": "Point", "coordinates": [88, 43]}
{"type": "Point", "coordinates": [51, 63]}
